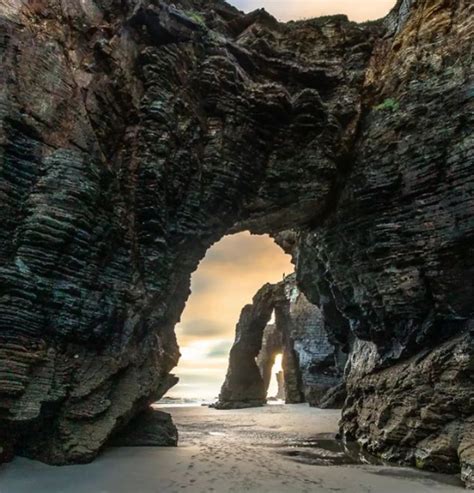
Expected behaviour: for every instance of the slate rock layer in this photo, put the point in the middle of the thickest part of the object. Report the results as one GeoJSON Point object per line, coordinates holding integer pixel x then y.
{"type": "Point", "coordinates": [135, 133]}
{"type": "Point", "coordinates": [151, 428]}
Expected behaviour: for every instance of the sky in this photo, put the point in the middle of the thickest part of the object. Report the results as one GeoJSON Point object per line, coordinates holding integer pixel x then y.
{"type": "Point", "coordinates": [285, 10]}
{"type": "Point", "coordinates": [227, 279]}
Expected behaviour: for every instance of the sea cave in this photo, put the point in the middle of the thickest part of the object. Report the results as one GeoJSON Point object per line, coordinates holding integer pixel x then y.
{"type": "Point", "coordinates": [137, 134]}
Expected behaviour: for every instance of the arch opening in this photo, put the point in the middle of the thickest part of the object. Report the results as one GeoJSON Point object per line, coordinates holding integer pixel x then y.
{"type": "Point", "coordinates": [227, 278]}
{"type": "Point", "coordinates": [244, 315]}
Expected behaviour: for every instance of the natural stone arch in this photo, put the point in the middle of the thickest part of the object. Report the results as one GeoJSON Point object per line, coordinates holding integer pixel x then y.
{"type": "Point", "coordinates": [312, 366]}
{"type": "Point", "coordinates": [135, 135]}
{"type": "Point", "coordinates": [245, 385]}
{"type": "Point", "coordinates": [208, 135]}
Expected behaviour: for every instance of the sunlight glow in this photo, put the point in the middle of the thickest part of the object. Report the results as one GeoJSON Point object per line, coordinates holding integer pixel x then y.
{"type": "Point", "coordinates": [233, 270]}
{"type": "Point", "coordinates": [277, 367]}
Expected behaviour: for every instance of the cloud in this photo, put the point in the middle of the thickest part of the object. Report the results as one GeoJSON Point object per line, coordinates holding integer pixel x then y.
{"type": "Point", "coordinates": [233, 270]}
{"type": "Point", "coordinates": [202, 284]}
{"type": "Point", "coordinates": [220, 350]}
{"type": "Point", "coordinates": [300, 9]}
{"type": "Point", "coordinates": [201, 328]}
{"type": "Point", "coordinates": [241, 251]}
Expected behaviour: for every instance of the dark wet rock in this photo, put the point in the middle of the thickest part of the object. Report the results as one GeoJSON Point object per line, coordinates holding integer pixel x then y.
{"type": "Point", "coordinates": [135, 134]}
{"type": "Point", "coordinates": [312, 366]}
{"type": "Point", "coordinates": [271, 346]}
{"type": "Point", "coordinates": [334, 398]}
{"type": "Point", "coordinates": [151, 428]}
{"type": "Point", "coordinates": [244, 385]}
{"type": "Point", "coordinates": [395, 257]}
{"type": "Point", "coordinates": [6, 453]}
{"type": "Point", "coordinates": [424, 418]}
{"type": "Point", "coordinates": [320, 362]}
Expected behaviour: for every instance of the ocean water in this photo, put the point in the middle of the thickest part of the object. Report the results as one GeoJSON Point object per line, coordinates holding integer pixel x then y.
{"type": "Point", "coordinates": [182, 402]}
{"type": "Point", "coordinates": [193, 402]}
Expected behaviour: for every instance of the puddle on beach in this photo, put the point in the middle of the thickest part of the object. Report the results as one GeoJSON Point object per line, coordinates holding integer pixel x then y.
{"type": "Point", "coordinates": [326, 450]}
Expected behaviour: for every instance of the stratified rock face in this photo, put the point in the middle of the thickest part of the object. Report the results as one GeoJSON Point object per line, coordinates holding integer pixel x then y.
{"type": "Point", "coordinates": [245, 383]}
{"type": "Point", "coordinates": [310, 362]}
{"type": "Point", "coordinates": [395, 257]}
{"type": "Point", "coordinates": [319, 362]}
{"type": "Point", "coordinates": [151, 428]}
{"type": "Point", "coordinates": [419, 411]}
{"type": "Point", "coordinates": [134, 134]}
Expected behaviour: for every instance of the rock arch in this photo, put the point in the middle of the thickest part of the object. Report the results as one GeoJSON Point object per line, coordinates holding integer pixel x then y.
{"type": "Point", "coordinates": [312, 366]}
{"type": "Point", "coordinates": [136, 133]}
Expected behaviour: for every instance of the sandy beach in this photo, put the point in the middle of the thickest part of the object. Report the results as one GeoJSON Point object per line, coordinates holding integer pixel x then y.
{"type": "Point", "coordinates": [255, 450]}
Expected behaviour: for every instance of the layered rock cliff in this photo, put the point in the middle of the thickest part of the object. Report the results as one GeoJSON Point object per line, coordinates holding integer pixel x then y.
{"type": "Point", "coordinates": [135, 133]}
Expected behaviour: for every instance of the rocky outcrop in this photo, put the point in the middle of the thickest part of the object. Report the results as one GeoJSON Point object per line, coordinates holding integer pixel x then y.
{"type": "Point", "coordinates": [394, 258]}
{"type": "Point", "coordinates": [136, 133]}
{"type": "Point", "coordinates": [312, 366]}
{"type": "Point", "coordinates": [320, 363]}
{"type": "Point", "coordinates": [245, 385]}
{"type": "Point", "coordinates": [151, 428]}
{"type": "Point", "coordinates": [6, 453]}
{"type": "Point", "coordinates": [424, 417]}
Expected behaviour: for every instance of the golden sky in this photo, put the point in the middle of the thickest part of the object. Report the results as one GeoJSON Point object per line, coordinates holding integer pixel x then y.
{"type": "Point", "coordinates": [286, 10]}
{"type": "Point", "coordinates": [227, 279]}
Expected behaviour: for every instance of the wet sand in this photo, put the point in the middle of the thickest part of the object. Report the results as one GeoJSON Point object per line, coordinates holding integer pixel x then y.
{"type": "Point", "coordinates": [256, 450]}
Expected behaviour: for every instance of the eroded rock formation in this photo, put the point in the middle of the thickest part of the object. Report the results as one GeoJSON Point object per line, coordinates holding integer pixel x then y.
{"type": "Point", "coordinates": [245, 384]}
{"type": "Point", "coordinates": [281, 394]}
{"type": "Point", "coordinates": [319, 362]}
{"type": "Point", "coordinates": [136, 133]}
{"type": "Point", "coordinates": [312, 366]}
{"type": "Point", "coordinates": [151, 428]}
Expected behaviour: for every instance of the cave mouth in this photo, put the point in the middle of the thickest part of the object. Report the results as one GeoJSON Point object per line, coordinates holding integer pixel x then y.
{"type": "Point", "coordinates": [226, 280]}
